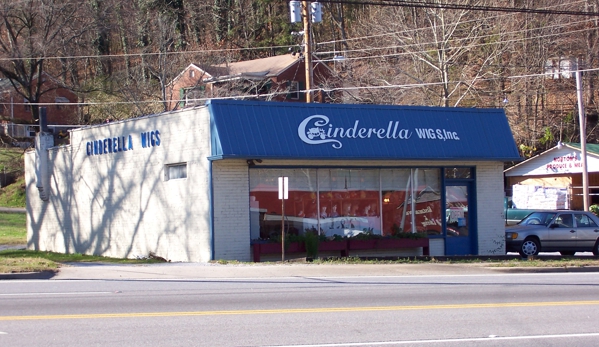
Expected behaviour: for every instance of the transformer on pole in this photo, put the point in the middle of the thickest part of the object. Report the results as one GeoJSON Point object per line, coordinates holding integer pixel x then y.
{"type": "Point", "coordinates": [308, 13]}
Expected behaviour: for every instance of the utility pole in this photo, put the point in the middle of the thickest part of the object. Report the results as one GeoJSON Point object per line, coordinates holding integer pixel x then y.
{"type": "Point", "coordinates": [309, 13]}
{"type": "Point", "coordinates": [583, 138]}
{"type": "Point", "coordinates": [306, 16]}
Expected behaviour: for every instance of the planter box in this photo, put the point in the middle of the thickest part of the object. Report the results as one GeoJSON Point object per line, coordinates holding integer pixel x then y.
{"type": "Point", "coordinates": [275, 248]}
{"type": "Point", "coordinates": [404, 243]}
{"type": "Point", "coordinates": [331, 246]}
{"type": "Point", "coordinates": [361, 244]}
{"type": "Point", "coordinates": [344, 247]}
{"type": "Point", "coordinates": [389, 243]}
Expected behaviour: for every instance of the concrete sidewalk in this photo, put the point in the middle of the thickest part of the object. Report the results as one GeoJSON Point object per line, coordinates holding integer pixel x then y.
{"type": "Point", "coordinates": [180, 271]}
{"type": "Point", "coordinates": [294, 268]}
{"type": "Point", "coordinates": [171, 271]}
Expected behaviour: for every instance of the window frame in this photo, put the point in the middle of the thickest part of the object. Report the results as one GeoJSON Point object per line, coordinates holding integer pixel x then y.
{"type": "Point", "coordinates": [174, 166]}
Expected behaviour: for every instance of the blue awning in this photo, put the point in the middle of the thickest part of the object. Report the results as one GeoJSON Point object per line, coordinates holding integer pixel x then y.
{"type": "Point", "coordinates": [285, 130]}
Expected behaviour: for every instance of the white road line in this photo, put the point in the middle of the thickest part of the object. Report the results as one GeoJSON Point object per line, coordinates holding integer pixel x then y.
{"type": "Point", "coordinates": [416, 342]}
{"type": "Point", "coordinates": [71, 293]}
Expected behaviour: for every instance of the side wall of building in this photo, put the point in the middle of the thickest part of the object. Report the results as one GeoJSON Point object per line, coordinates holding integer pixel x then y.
{"type": "Point", "coordinates": [121, 203]}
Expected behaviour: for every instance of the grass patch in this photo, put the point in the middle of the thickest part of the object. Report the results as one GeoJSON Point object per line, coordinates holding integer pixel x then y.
{"type": "Point", "coordinates": [13, 195]}
{"type": "Point", "coordinates": [16, 265]}
{"type": "Point", "coordinates": [13, 230]}
{"type": "Point", "coordinates": [12, 164]}
{"type": "Point", "coordinates": [566, 262]}
{"type": "Point", "coordinates": [19, 260]}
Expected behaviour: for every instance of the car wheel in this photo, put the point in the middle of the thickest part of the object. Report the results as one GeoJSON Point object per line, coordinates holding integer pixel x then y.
{"type": "Point", "coordinates": [596, 248]}
{"type": "Point", "coordinates": [530, 247]}
{"type": "Point", "coordinates": [567, 252]}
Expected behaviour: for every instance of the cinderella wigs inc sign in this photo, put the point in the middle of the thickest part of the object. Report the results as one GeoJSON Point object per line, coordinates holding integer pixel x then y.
{"type": "Point", "coordinates": [113, 145]}
{"type": "Point", "coordinates": [318, 129]}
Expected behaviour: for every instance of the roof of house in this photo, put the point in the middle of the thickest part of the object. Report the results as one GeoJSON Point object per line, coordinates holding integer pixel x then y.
{"type": "Point", "coordinates": [257, 68]}
{"type": "Point", "coordinates": [591, 148]}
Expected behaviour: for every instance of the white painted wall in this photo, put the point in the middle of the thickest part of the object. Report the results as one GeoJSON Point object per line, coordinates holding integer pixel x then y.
{"type": "Point", "coordinates": [230, 180]}
{"type": "Point", "coordinates": [120, 204]}
{"type": "Point", "coordinates": [490, 213]}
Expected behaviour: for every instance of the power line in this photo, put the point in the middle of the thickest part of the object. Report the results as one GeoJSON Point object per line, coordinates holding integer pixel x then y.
{"type": "Point", "coordinates": [454, 24]}
{"type": "Point", "coordinates": [415, 4]}
{"type": "Point", "coordinates": [389, 55]}
{"type": "Point", "coordinates": [274, 94]}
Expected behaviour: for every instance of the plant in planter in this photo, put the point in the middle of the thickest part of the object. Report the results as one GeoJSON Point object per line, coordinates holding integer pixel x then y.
{"type": "Point", "coordinates": [397, 232]}
{"type": "Point", "coordinates": [311, 241]}
{"type": "Point", "coordinates": [364, 240]}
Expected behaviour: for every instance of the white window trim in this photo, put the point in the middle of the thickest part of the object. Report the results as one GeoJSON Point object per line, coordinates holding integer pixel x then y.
{"type": "Point", "coordinates": [170, 168]}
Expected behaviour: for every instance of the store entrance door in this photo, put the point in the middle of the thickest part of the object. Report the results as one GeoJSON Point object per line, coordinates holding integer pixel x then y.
{"type": "Point", "coordinates": [458, 231]}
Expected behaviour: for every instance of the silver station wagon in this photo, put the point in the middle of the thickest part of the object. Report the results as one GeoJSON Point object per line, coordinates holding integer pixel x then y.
{"type": "Point", "coordinates": [561, 231]}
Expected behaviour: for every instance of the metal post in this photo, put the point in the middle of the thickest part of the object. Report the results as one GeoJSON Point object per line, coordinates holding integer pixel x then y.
{"type": "Point", "coordinates": [282, 229]}
{"type": "Point", "coordinates": [307, 49]}
{"type": "Point", "coordinates": [583, 140]}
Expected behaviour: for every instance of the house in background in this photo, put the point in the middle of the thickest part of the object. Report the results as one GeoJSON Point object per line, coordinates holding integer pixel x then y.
{"type": "Point", "coordinates": [16, 119]}
{"type": "Point", "coordinates": [278, 78]}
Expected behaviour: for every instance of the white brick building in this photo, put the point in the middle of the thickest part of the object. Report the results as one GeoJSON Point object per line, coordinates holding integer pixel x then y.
{"type": "Point", "coordinates": [200, 184]}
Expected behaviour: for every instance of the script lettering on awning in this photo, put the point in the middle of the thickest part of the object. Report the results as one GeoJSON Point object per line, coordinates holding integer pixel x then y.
{"type": "Point", "coordinates": [318, 129]}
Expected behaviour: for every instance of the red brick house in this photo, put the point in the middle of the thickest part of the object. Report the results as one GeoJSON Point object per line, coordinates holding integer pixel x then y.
{"type": "Point", "coordinates": [61, 108]}
{"type": "Point", "coordinates": [277, 78]}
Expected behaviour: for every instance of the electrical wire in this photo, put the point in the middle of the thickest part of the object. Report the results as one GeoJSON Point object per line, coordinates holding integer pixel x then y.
{"type": "Point", "coordinates": [430, 5]}
{"type": "Point", "coordinates": [274, 94]}
{"type": "Point", "coordinates": [443, 25]}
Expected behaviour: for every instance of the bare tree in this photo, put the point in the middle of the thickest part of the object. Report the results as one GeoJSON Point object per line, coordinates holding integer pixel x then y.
{"type": "Point", "coordinates": [433, 56]}
{"type": "Point", "coordinates": [32, 35]}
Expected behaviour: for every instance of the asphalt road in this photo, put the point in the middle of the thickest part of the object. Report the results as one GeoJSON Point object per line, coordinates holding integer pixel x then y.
{"type": "Point", "coordinates": [485, 308]}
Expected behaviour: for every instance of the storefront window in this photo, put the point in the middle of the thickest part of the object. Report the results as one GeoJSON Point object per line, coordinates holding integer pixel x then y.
{"type": "Point", "coordinates": [266, 209]}
{"type": "Point", "coordinates": [411, 201]}
{"type": "Point", "coordinates": [346, 202]}
{"type": "Point", "coordinates": [349, 201]}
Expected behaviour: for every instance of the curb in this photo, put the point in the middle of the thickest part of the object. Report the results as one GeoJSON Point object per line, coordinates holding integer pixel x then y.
{"type": "Point", "coordinates": [549, 269]}
{"type": "Point", "coordinates": [43, 275]}
{"type": "Point", "coordinates": [13, 209]}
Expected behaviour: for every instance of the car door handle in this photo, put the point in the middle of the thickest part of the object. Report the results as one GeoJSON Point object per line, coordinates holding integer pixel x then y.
{"type": "Point", "coordinates": [572, 231]}
{"type": "Point", "coordinates": [596, 230]}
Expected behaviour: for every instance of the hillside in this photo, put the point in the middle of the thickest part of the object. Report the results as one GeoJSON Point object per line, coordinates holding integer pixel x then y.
{"type": "Point", "coordinates": [12, 193]}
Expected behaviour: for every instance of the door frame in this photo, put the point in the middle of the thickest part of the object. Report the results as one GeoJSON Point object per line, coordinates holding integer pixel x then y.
{"type": "Point", "coordinates": [462, 245]}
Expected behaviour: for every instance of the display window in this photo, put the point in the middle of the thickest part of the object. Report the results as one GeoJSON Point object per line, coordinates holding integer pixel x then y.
{"type": "Point", "coordinates": [411, 201]}
{"type": "Point", "coordinates": [349, 201]}
{"type": "Point", "coordinates": [346, 202]}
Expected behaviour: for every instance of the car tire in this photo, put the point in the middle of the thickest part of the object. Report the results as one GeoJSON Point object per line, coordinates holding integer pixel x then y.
{"type": "Point", "coordinates": [567, 253]}
{"type": "Point", "coordinates": [596, 248]}
{"type": "Point", "coordinates": [530, 247]}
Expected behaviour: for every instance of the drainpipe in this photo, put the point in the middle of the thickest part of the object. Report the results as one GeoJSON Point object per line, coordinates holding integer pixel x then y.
{"type": "Point", "coordinates": [43, 141]}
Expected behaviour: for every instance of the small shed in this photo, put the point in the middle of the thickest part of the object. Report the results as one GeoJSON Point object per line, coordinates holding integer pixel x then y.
{"type": "Point", "coordinates": [553, 179]}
